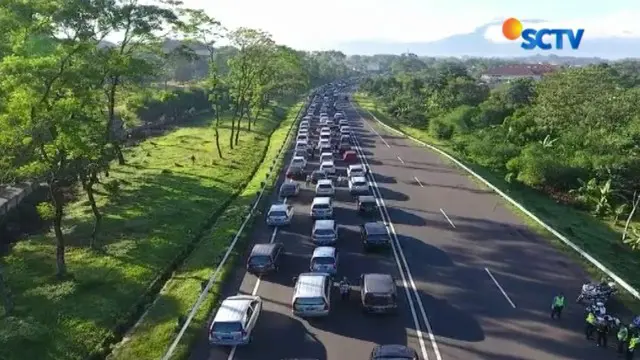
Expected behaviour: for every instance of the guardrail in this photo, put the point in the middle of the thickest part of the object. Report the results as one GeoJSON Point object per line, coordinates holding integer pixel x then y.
{"type": "Point", "coordinates": [626, 286]}
{"type": "Point", "coordinates": [214, 276]}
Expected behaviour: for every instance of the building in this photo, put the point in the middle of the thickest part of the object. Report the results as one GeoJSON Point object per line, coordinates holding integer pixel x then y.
{"type": "Point", "coordinates": [518, 71]}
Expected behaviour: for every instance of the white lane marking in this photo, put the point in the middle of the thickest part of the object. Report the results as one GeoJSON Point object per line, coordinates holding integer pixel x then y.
{"type": "Point", "coordinates": [399, 158]}
{"type": "Point", "coordinates": [383, 140]}
{"type": "Point", "coordinates": [500, 288]}
{"type": "Point", "coordinates": [418, 180]}
{"type": "Point", "coordinates": [399, 255]}
{"type": "Point", "coordinates": [232, 353]}
{"type": "Point", "coordinates": [446, 217]}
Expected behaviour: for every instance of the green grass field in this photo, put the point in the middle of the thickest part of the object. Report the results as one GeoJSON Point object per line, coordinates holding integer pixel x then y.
{"type": "Point", "coordinates": [163, 200]}
{"type": "Point", "coordinates": [151, 338]}
{"type": "Point", "coordinates": [601, 239]}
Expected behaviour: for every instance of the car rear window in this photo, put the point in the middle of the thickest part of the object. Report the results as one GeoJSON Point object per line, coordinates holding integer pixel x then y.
{"type": "Point", "coordinates": [378, 299]}
{"type": "Point", "coordinates": [324, 232]}
{"type": "Point", "coordinates": [321, 206]}
{"type": "Point", "coordinates": [325, 186]}
{"type": "Point", "coordinates": [310, 301]}
{"type": "Point", "coordinates": [278, 213]}
{"type": "Point", "coordinates": [260, 260]}
{"type": "Point", "coordinates": [226, 327]}
{"type": "Point", "coordinates": [323, 260]}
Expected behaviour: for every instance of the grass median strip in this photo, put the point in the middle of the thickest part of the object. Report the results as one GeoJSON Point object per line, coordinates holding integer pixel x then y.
{"type": "Point", "coordinates": [152, 207]}
{"type": "Point", "coordinates": [151, 338]}
{"type": "Point", "coordinates": [601, 239]}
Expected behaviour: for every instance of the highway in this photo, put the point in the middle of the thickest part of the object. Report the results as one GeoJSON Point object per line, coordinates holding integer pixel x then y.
{"type": "Point", "coordinates": [475, 283]}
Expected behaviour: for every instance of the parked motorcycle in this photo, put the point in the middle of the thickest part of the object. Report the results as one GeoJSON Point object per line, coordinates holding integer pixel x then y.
{"type": "Point", "coordinates": [594, 292]}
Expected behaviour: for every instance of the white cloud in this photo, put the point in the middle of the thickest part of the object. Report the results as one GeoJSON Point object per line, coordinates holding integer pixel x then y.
{"type": "Point", "coordinates": [620, 25]}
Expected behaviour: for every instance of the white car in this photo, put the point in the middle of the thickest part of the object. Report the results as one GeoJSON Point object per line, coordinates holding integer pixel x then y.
{"type": "Point", "coordinates": [325, 188]}
{"type": "Point", "coordinates": [299, 161]}
{"type": "Point", "coordinates": [345, 130]}
{"type": "Point", "coordinates": [302, 137]}
{"type": "Point", "coordinates": [358, 185]}
{"type": "Point", "coordinates": [328, 167]}
{"type": "Point", "coordinates": [301, 145]}
{"type": "Point", "coordinates": [235, 320]}
{"type": "Point", "coordinates": [355, 170]}
{"type": "Point", "coordinates": [279, 214]}
{"type": "Point", "coordinates": [343, 122]}
{"type": "Point", "coordinates": [324, 143]}
{"type": "Point", "coordinates": [326, 156]}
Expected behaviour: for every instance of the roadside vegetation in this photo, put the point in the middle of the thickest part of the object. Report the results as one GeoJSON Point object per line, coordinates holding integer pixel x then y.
{"type": "Point", "coordinates": [565, 147]}
{"type": "Point", "coordinates": [142, 144]}
{"type": "Point", "coordinates": [151, 338]}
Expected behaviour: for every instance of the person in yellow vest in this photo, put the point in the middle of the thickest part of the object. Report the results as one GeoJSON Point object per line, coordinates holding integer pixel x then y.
{"type": "Point", "coordinates": [557, 306]}
{"type": "Point", "coordinates": [590, 325]}
{"type": "Point", "coordinates": [633, 344]}
{"type": "Point", "coordinates": [623, 337]}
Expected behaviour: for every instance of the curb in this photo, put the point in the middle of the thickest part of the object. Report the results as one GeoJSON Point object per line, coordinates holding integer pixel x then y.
{"type": "Point", "coordinates": [520, 207]}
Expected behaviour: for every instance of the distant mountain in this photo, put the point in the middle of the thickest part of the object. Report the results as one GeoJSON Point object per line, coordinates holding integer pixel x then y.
{"type": "Point", "coordinates": [474, 44]}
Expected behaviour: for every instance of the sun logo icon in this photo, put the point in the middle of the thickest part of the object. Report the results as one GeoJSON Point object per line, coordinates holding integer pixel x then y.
{"type": "Point", "coordinates": [512, 28]}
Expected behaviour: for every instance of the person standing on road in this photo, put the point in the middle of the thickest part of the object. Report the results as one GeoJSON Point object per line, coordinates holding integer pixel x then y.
{"type": "Point", "coordinates": [623, 337]}
{"type": "Point", "coordinates": [633, 343]}
{"type": "Point", "coordinates": [557, 306]}
{"type": "Point", "coordinates": [590, 325]}
{"type": "Point", "coordinates": [603, 332]}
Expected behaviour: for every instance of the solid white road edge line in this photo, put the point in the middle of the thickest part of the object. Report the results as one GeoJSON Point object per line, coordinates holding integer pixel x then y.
{"type": "Point", "coordinates": [399, 254]}
{"type": "Point", "coordinates": [500, 288]}
{"type": "Point", "coordinates": [418, 180]}
{"type": "Point", "coordinates": [232, 353]}
{"type": "Point", "coordinates": [446, 217]}
{"type": "Point", "coordinates": [519, 206]}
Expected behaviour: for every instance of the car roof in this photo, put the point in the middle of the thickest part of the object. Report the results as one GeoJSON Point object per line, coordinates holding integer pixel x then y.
{"type": "Point", "coordinates": [356, 166]}
{"type": "Point", "coordinates": [233, 308]}
{"type": "Point", "coordinates": [263, 249]}
{"type": "Point", "coordinates": [349, 152]}
{"type": "Point", "coordinates": [391, 351]}
{"type": "Point", "coordinates": [279, 207]}
{"type": "Point", "coordinates": [378, 283]}
{"type": "Point", "coordinates": [325, 182]}
{"type": "Point", "coordinates": [290, 184]}
{"type": "Point", "coordinates": [326, 153]}
{"type": "Point", "coordinates": [321, 200]}
{"type": "Point", "coordinates": [375, 228]}
{"type": "Point", "coordinates": [324, 251]}
{"type": "Point", "coordinates": [310, 284]}
{"type": "Point", "coordinates": [366, 198]}
{"type": "Point", "coordinates": [324, 224]}
{"type": "Point", "coordinates": [298, 158]}
{"type": "Point", "coordinates": [319, 171]}
{"type": "Point", "coordinates": [359, 178]}
{"type": "Point", "coordinates": [328, 162]}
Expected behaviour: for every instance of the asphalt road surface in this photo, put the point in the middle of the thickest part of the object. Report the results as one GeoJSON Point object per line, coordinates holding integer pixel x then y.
{"type": "Point", "coordinates": [476, 283]}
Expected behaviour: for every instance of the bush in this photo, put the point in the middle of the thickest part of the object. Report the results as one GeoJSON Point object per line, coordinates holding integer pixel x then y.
{"type": "Point", "coordinates": [440, 130]}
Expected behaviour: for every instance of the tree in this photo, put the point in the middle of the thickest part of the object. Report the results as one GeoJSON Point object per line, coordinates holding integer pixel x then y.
{"type": "Point", "coordinates": [244, 70]}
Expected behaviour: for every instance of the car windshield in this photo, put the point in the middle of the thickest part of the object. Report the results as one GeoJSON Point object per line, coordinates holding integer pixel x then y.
{"type": "Point", "coordinates": [324, 232]}
{"type": "Point", "coordinates": [323, 260]}
{"type": "Point", "coordinates": [278, 213]}
{"type": "Point", "coordinates": [298, 161]}
{"type": "Point", "coordinates": [259, 260]}
{"type": "Point", "coordinates": [325, 186]}
{"type": "Point", "coordinates": [326, 166]}
{"type": "Point", "coordinates": [359, 183]}
{"type": "Point", "coordinates": [321, 206]}
{"type": "Point", "coordinates": [226, 327]}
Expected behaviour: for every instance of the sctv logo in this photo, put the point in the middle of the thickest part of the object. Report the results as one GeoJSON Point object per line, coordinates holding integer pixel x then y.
{"type": "Point", "coordinates": [532, 38]}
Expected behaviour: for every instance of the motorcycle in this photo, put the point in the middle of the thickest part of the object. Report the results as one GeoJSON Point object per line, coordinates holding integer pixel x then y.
{"type": "Point", "coordinates": [597, 308]}
{"type": "Point", "coordinates": [594, 292]}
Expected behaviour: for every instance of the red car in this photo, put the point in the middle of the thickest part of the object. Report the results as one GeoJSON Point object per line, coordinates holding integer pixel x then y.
{"type": "Point", "coordinates": [350, 157]}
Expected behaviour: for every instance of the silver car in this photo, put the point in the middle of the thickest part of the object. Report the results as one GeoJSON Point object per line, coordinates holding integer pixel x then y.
{"type": "Point", "coordinates": [235, 320]}
{"type": "Point", "coordinates": [279, 214]}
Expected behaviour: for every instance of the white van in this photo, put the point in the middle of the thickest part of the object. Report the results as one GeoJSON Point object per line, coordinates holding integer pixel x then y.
{"type": "Point", "coordinates": [235, 320]}
{"type": "Point", "coordinates": [321, 208]}
{"type": "Point", "coordinates": [328, 167]}
{"type": "Point", "coordinates": [324, 260]}
{"type": "Point", "coordinates": [326, 156]}
{"type": "Point", "coordinates": [312, 295]}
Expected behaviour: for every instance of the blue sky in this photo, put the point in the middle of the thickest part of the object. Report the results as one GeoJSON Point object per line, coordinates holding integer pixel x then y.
{"type": "Point", "coordinates": [323, 24]}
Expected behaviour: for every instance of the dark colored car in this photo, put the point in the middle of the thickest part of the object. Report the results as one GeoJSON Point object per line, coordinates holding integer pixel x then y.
{"type": "Point", "coordinates": [367, 204]}
{"type": "Point", "coordinates": [295, 172]}
{"type": "Point", "coordinates": [318, 175]}
{"type": "Point", "coordinates": [264, 258]}
{"type": "Point", "coordinates": [378, 293]}
{"type": "Point", "coordinates": [289, 189]}
{"type": "Point", "coordinates": [374, 234]}
{"type": "Point", "coordinates": [396, 352]}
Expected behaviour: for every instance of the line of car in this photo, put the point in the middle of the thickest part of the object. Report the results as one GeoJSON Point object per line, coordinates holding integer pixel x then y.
{"type": "Point", "coordinates": [237, 315]}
